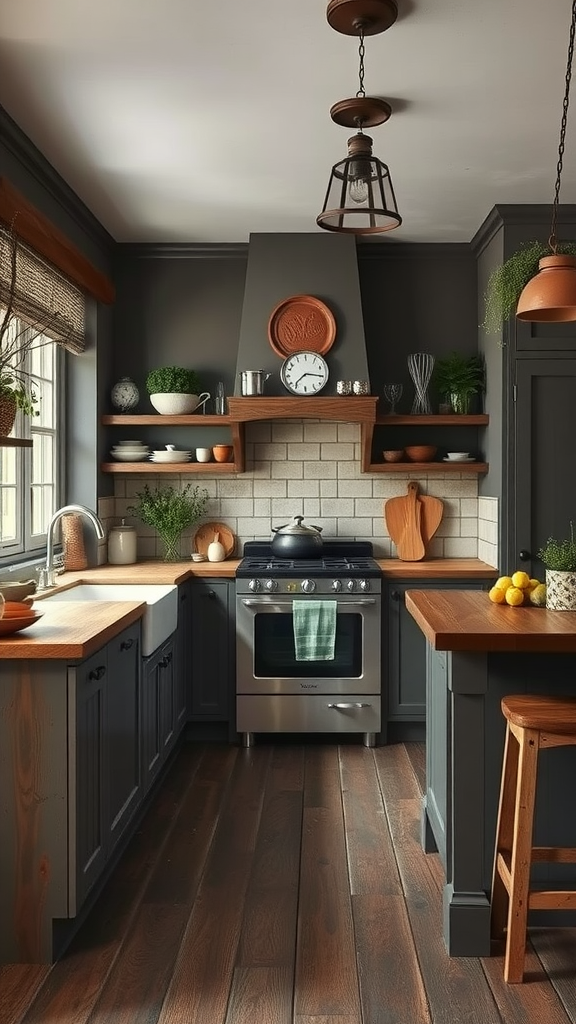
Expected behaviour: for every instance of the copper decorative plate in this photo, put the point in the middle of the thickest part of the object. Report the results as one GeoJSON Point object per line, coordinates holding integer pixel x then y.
{"type": "Point", "coordinates": [301, 323]}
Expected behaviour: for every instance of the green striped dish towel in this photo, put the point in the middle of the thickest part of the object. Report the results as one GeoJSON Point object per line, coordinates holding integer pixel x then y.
{"type": "Point", "coordinates": [314, 630]}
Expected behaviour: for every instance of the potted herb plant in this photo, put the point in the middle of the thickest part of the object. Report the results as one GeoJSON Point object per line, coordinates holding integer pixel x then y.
{"type": "Point", "coordinates": [559, 558]}
{"type": "Point", "coordinates": [507, 281]}
{"type": "Point", "coordinates": [458, 377]}
{"type": "Point", "coordinates": [175, 390]}
{"type": "Point", "coordinates": [170, 512]}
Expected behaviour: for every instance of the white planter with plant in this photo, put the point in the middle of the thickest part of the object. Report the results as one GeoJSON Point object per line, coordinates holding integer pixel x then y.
{"type": "Point", "coordinates": [170, 512]}
{"type": "Point", "coordinates": [175, 391]}
{"type": "Point", "coordinates": [559, 557]}
{"type": "Point", "coordinates": [457, 378]}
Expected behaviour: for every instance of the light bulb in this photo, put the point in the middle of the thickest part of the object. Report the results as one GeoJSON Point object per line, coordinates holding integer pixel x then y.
{"type": "Point", "coordinates": [359, 191]}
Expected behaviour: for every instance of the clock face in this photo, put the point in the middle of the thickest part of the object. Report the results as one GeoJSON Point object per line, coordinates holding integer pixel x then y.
{"type": "Point", "coordinates": [304, 373]}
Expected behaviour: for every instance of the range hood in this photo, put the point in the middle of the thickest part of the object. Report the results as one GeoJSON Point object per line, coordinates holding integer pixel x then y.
{"type": "Point", "coordinates": [284, 265]}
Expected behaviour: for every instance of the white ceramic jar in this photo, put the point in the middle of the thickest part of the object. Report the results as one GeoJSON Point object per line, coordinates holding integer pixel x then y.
{"type": "Point", "coordinates": [122, 545]}
{"type": "Point", "coordinates": [216, 552]}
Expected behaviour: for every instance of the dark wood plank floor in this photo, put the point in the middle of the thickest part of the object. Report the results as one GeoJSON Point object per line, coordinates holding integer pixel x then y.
{"type": "Point", "coordinates": [283, 884]}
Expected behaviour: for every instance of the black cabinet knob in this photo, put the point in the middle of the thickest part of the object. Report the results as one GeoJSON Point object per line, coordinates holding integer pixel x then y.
{"type": "Point", "coordinates": [126, 645]}
{"type": "Point", "coordinates": [524, 555]}
{"type": "Point", "coordinates": [395, 595]}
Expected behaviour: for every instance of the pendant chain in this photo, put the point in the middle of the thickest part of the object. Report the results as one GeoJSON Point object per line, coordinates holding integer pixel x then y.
{"type": "Point", "coordinates": [552, 240]}
{"type": "Point", "coordinates": [361, 52]}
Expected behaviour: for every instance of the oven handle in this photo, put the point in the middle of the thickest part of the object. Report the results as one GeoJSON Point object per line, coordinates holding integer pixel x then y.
{"type": "Point", "coordinates": [253, 602]}
{"type": "Point", "coordinates": [355, 704]}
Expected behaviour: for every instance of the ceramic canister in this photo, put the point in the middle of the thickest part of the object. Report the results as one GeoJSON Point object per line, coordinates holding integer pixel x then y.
{"type": "Point", "coordinates": [122, 545]}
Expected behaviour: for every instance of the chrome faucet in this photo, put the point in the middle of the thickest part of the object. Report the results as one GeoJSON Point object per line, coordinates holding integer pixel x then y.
{"type": "Point", "coordinates": [47, 575]}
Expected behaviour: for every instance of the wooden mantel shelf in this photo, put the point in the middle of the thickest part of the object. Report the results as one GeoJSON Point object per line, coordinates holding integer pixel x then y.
{"type": "Point", "coordinates": [353, 409]}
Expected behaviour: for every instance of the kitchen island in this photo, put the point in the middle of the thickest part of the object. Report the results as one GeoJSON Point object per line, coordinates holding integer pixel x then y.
{"type": "Point", "coordinates": [476, 653]}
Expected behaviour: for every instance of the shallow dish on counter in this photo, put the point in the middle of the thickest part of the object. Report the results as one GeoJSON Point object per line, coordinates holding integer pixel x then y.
{"type": "Point", "coordinates": [15, 623]}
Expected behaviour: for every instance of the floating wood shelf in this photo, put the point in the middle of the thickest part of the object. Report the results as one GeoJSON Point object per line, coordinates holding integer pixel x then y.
{"type": "Point", "coordinates": [15, 442]}
{"type": "Point", "coordinates": [355, 409]}
{"type": "Point", "coordinates": [427, 467]}
{"type": "Point", "coordinates": [175, 468]}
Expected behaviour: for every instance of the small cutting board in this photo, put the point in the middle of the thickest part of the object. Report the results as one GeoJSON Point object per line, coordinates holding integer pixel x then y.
{"type": "Point", "coordinates": [412, 520]}
{"type": "Point", "coordinates": [208, 532]}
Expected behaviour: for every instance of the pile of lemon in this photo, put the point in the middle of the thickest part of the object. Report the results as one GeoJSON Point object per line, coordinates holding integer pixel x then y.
{"type": "Point", "coordinates": [517, 590]}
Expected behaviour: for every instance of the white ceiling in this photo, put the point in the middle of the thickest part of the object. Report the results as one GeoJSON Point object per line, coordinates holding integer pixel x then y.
{"type": "Point", "coordinates": [202, 122]}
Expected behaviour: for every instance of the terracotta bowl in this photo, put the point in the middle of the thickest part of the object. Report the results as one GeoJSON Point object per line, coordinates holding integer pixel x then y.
{"type": "Point", "coordinates": [222, 452]}
{"type": "Point", "coordinates": [421, 452]}
{"type": "Point", "coordinates": [393, 456]}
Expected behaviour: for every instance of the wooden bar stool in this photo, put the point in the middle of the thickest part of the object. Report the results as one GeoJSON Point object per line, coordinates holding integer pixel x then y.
{"type": "Point", "coordinates": [533, 723]}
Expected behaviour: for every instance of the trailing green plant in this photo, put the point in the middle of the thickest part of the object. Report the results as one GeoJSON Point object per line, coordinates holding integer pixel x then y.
{"type": "Point", "coordinates": [173, 380]}
{"type": "Point", "coordinates": [170, 512]}
{"type": "Point", "coordinates": [507, 281]}
{"type": "Point", "coordinates": [560, 554]}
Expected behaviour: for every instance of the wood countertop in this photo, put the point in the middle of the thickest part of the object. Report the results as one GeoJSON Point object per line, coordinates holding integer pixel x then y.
{"type": "Point", "coordinates": [62, 633]}
{"type": "Point", "coordinates": [437, 569]}
{"type": "Point", "coordinates": [466, 620]}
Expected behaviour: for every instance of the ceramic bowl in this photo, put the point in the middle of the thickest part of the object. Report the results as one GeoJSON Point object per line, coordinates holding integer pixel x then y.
{"type": "Point", "coordinates": [421, 452]}
{"type": "Point", "coordinates": [130, 454]}
{"type": "Point", "coordinates": [222, 452]}
{"type": "Point", "coordinates": [393, 455]}
{"type": "Point", "coordinates": [457, 456]}
{"type": "Point", "coordinates": [176, 404]}
{"type": "Point", "coordinates": [173, 456]}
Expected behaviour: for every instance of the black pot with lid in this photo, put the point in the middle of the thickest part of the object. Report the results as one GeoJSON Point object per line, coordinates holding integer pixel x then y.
{"type": "Point", "coordinates": [293, 540]}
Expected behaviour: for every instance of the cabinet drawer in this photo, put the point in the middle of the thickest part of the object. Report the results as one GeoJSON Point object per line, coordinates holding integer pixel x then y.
{"type": "Point", "coordinates": [312, 713]}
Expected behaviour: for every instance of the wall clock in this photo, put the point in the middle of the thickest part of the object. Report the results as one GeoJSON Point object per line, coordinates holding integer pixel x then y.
{"type": "Point", "coordinates": [304, 373]}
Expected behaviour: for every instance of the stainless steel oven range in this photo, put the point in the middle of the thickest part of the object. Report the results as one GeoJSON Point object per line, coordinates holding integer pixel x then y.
{"type": "Point", "coordinates": [276, 692]}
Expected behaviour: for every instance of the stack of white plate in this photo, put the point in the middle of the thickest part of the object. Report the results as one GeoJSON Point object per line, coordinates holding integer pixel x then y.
{"type": "Point", "coordinates": [130, 451]}
{"type": "Point", "coordinates": [170, 456]}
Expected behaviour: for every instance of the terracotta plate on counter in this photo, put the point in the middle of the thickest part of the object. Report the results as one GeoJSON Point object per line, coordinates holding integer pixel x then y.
{"type": "Point", "coordinates": [301, 323]}
{"type": "Point", "coordinates": [14, 623]}
{"type": "Point", "coordinates": [206, 533]}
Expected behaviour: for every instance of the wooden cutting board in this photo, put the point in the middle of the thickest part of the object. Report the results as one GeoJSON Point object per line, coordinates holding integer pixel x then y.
{"type": "Point", "coordinates": [412, 520]}
{"type": "Point", "coordinates": [208, 532]}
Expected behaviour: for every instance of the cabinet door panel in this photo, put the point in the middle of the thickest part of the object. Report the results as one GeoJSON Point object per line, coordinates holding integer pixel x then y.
{"type": "Point", "coordinates": [123, 732]}
{"type": "Point", "coordinates": [211, 649]}
{"type": "Point", "coordinates": [88, 835]}
{"type": "Point", "coordinates": [183, 656]}
{"type": "Point", "coordinates": [537, 337]}
{"type": "Point", "coordinates": [543, 446]}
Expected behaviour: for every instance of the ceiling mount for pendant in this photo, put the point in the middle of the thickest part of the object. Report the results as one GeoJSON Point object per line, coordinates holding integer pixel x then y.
{"type": "Point", "coordinates": [360, 112]}
{"type": "Point", "coordinates": [374, 16]}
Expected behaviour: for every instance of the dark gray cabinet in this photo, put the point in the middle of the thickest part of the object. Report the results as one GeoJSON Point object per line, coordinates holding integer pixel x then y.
{"type": "Point", "coordinates": [542, 432]}
{"type": "Point", "coordinates": [183, 656]}
{"type": "Point", "coordinates": [158, 710]}
{"type": "Point", "coordinates": [404, 649]}
{"type": "Point", "coordinates": [213, 651]}
{"type": "Point", "coordinates": [105, 748]}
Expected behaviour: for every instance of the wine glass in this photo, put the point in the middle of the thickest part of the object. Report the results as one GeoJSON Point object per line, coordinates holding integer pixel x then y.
{"type": "Point", "coordinates": [393, 394]}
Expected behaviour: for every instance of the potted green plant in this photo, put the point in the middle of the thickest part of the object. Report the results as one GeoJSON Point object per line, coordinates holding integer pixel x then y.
{"type": "Point", "coordinates": [170, 512]}
{"type": "Point", "coordinates": [559, 558]}
{"type": "Point", "coordinates": [175, 390]}
{"type": "Point", "coordinates": [507, 281]}
{"type": "Point", "coordinates": [458, 377]}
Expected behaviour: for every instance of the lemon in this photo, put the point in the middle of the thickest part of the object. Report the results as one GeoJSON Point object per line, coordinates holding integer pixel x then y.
{"type": "Point", "coordinates": [514, 596]}
{"type": "Point", "coordinates": [503, 583]}
{"type": "Point", "coordinates": [520, 579]}
{"type": "Point", "coordinates": [497, 595]}
{"type": "Point", "coordinates": [538, 596]}
{"type": "Point", "coordinates": [535, 583]}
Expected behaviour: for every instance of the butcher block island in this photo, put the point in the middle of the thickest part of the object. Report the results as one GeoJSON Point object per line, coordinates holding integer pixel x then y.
{"type": "Point", "coordinates": [478, 652]}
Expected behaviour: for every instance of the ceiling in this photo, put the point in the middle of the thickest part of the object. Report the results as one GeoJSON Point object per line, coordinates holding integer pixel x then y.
{"type": "Point", "coordinates": [186, 122]}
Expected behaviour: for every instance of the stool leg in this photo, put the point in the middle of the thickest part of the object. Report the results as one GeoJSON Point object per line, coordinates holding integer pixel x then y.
{"type": "Point", "coordinates": [504, 834]}
{"type": "Point", "coordinates": [521, 859]}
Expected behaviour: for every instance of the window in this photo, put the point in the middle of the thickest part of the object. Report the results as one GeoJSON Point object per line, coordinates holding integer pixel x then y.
{"type": "Point", "coordinates": [30, 479]}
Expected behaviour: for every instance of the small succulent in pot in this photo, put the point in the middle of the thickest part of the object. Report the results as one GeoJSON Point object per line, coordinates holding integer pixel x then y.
{"type": "Point", "coordinates": [559, 557]}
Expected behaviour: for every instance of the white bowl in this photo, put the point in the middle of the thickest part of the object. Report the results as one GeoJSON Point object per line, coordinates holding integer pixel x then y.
{"type": "Point", "coordinates": [457, 456]}
{"type": "Point", "coordinates": [128, 444]}
{"type": "Point", "coordinates": [164, 456]}
{"type": "Point", "coordinates": [126, 455]}
{"type": "Point", "coordinates": [175, 404]}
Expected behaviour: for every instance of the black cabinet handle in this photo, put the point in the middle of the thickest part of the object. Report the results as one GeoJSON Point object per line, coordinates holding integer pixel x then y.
{"type": "Point", "coordinates": [126, 645]}
{"type": "Point", "coordinates": [524, 555]}
{"type": "Point", "coordinates": [166, 661]}
{"type": "Point", "coordinates": [395, 595]}
{"type": "Point", "coordinates": [183, 597]}
{"type": "Point", "coordinates": [97, 673]}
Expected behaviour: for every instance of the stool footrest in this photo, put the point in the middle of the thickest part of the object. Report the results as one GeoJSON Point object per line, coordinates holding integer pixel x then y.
{"type": "Point", "coordinates": [552, 899]}
{"type": "Point", "coordinates": [556, 854]}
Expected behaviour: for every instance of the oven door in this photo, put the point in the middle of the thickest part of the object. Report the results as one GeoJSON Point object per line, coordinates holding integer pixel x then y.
{"type": "Point", "coordinates": [266, 655]}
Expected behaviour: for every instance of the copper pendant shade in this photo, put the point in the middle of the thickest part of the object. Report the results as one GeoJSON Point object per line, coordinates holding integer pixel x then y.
{"type": "Point", "coordinates": [550, 296]}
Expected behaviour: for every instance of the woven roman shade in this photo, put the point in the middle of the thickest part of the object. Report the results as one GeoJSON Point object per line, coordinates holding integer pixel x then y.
{"type": "Point", "coordinates": [39, 294]}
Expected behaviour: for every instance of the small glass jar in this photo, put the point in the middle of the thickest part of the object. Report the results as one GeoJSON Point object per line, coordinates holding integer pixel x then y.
{"type": "Point", "coordinates": [122, 545]}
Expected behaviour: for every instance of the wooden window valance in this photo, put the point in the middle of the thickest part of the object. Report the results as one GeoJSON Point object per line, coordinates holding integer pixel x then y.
{"type": "Point", "coordinates": [43, 238]}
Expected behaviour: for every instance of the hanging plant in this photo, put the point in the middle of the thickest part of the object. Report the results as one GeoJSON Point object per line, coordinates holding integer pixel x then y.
{"type": "Point", "coordinates": [507, 281]}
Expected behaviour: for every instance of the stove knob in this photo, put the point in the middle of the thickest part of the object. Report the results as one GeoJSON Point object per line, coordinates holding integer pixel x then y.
{"type": "Point", "coordinates": [337, 585]}
{"type": "Point", "coordinates": [254, 586]}
{"type": "Point", "coordinates": [364, 584]}
{"type": "Point", "coordinates": [351, 585]}
{"type": "Point", "coordinates": [271, 585]}
{"type": "Point", "coordinates": [308, 586]}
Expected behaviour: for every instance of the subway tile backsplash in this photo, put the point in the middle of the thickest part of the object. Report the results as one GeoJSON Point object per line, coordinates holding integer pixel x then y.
{"type": "Point", "coordinates": [312, 468]}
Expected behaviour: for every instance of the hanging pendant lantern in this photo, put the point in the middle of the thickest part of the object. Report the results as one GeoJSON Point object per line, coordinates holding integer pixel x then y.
{"type": "Point", "coordinates": [550, 296]}
{"type": "Point", "coordinates": [360, 197]}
